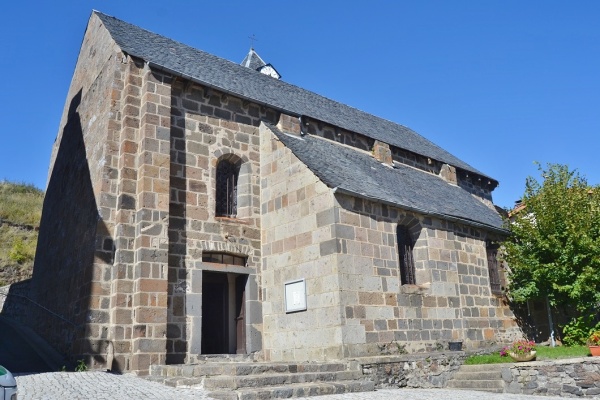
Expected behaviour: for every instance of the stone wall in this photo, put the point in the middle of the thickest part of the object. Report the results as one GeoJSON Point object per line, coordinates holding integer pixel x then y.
{"type": "Point", "coordinates": [103, 237]}
{"type": "Point", "coordinates": [297, 243]}
{"type": "Point", "coordinates": [577, 377]}
{"type": "Point", "coordinates": [330, 132]}
{"type": "Point", "coordinates": [75, 246]}
{"type": "Point", "coordinates": [96, 61]}
{"type": "Point", "coordinates": [413, 371]}
{"type": "Point", "coordinates": [423, 163]}
{"type": "Point", "coordinates": [451, 299]}
{"type": "Point", "coordinates": [209, 126]}
{"type": "Point", "coordinates": [479, 186]}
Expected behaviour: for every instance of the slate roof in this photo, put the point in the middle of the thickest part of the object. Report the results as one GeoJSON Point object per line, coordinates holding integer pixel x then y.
{"type": "Point", "coordinates": [358, 173]}
{"type": "Point", "coordinates": [253, 60]}
{"type": "Point", "coordinates": [227, 76]}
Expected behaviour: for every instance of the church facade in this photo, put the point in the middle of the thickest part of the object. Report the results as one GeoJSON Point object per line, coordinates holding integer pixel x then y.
{"type": "Point", "coordinates": [197, 206]}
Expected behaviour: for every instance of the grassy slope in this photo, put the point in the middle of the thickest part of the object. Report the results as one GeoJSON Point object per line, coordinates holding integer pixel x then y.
{"type": "Point", "coordinates": [20, 213]}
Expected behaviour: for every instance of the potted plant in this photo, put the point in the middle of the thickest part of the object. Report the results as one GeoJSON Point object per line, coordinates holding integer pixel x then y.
{"type": "Point", "coordinates": [594, 343]}
{"type": "Point", "coordinates": [520, 350]}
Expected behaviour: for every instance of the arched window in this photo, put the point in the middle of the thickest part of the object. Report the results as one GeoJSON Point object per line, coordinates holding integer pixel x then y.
{"type": "Point", "coordinates": [405, 255]}
{"type": "Point", "coordinates": [227, 180]}
{"type": "Point", "coordinates": [491, 248]}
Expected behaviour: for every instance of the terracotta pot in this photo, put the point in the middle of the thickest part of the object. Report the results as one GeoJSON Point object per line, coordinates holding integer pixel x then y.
{"type": "Point", "coordinates": [523, 357]}
{"type": "Point", "coordinates": [595, 350]}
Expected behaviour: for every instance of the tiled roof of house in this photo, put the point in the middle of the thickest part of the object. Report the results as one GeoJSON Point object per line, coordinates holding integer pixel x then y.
{"type": "Point", "coordinates": [357, 172]}
{"type": "Point", "coordinates": [230, 77]}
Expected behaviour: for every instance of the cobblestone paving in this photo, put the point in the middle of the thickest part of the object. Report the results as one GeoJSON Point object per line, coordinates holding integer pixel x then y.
{"type": "Point", "coordinates": [98, 386]}
{"type": "Point", "coordinates": [104, 386]}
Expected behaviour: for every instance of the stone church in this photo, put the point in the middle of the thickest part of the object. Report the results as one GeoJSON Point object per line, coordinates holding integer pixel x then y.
{"type": "Point", "coordinates": [199, 206]}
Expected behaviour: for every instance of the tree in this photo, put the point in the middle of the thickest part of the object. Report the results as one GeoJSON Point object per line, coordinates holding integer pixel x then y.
{"type": "Point", "coordinates": [554, 249]}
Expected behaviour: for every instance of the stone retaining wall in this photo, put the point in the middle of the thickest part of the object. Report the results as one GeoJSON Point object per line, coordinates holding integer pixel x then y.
{"type": "Point", "coordinates": [414, 371]}
{"type": "Point", "coordinates": [577, 377]}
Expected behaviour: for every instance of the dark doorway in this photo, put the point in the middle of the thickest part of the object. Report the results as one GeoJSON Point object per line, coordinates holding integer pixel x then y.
{"type": "Point", "coordinates": [214, 313]}
{"type": "Point", "coordinates": [223, 313]}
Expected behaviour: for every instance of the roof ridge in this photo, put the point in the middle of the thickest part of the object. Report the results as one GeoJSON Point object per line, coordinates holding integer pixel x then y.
{"type": "Point", "coordinates": [100, 13]}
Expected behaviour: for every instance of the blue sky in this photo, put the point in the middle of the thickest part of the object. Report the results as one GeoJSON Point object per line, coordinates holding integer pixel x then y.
{"type": "Point", "coordinates": [500, 84]}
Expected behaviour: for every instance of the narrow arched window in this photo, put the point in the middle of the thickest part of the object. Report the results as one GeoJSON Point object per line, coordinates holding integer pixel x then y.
{"type": "Point", "coordinates": [226, 198]}
{"type": "Point", "coordinates": [491, 249]}
{"type": "Point", "coordinates": [405, 255]}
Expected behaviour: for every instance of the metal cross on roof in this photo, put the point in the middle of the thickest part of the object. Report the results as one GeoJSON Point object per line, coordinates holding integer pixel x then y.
{"type": "Point", "coordinates": [252, 40]}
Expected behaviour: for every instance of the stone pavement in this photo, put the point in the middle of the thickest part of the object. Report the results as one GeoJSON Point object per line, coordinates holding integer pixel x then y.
{"type": "Point", "coordinates": [105, 386]}
{"type": "Point", "coordinates": [97, 386]}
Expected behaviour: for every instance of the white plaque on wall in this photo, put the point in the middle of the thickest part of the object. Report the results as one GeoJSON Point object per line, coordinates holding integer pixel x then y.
{"type": "Point", "coordinates": [295, 296]}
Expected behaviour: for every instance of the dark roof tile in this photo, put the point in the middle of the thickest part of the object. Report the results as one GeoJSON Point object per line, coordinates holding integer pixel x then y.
{"type": "Point", "coordinates": [357, 172]}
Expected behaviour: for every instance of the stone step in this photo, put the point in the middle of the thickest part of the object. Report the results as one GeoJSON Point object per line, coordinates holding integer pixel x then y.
{"type": "Point", "coordinates": [242, 368]}
{"type": "Point", "coordinates": [487, 390]}
{"type": "Point", "coordinates": [285, 378]}
{"type": "Point", "coordinates": [180, 382]}
{"type": "Point", "coordinates": [225, 358]}
{"type": "Point", "coordinates": [295, 390]}
{"type": "Point", "coordinates": [482, 384]}
{"type": "Point", "coordinates": [482, 367]}
{"type": "Point", "coordinates": [484, 377]}
{"type": "Point", "coordinates": [479, 375]}
{"type": "Point", "coordinates": [261, 380]}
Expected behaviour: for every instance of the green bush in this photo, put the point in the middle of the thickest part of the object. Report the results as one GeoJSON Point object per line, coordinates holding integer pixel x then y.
{"type": "Point", "coordinates": [20, 252]}
{"type": "Point", "coordinates": [578, 330]}
{"type": "Point", "coordinates": [81, 366]}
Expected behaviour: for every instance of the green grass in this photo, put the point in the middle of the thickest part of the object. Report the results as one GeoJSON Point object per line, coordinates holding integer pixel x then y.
{"type": "Point", "coordinates": [20, 204]}
{"type": "Point", "coordinates": [543, 353]}
{"type": "Point", "coordinates": [549, 353]}
{"type": "Point", "coordinates": [493, 358]}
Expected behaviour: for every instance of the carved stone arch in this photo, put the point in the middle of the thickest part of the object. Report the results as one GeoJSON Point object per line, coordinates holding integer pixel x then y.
{"type": "Point", "coordinates": [227, 154]}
